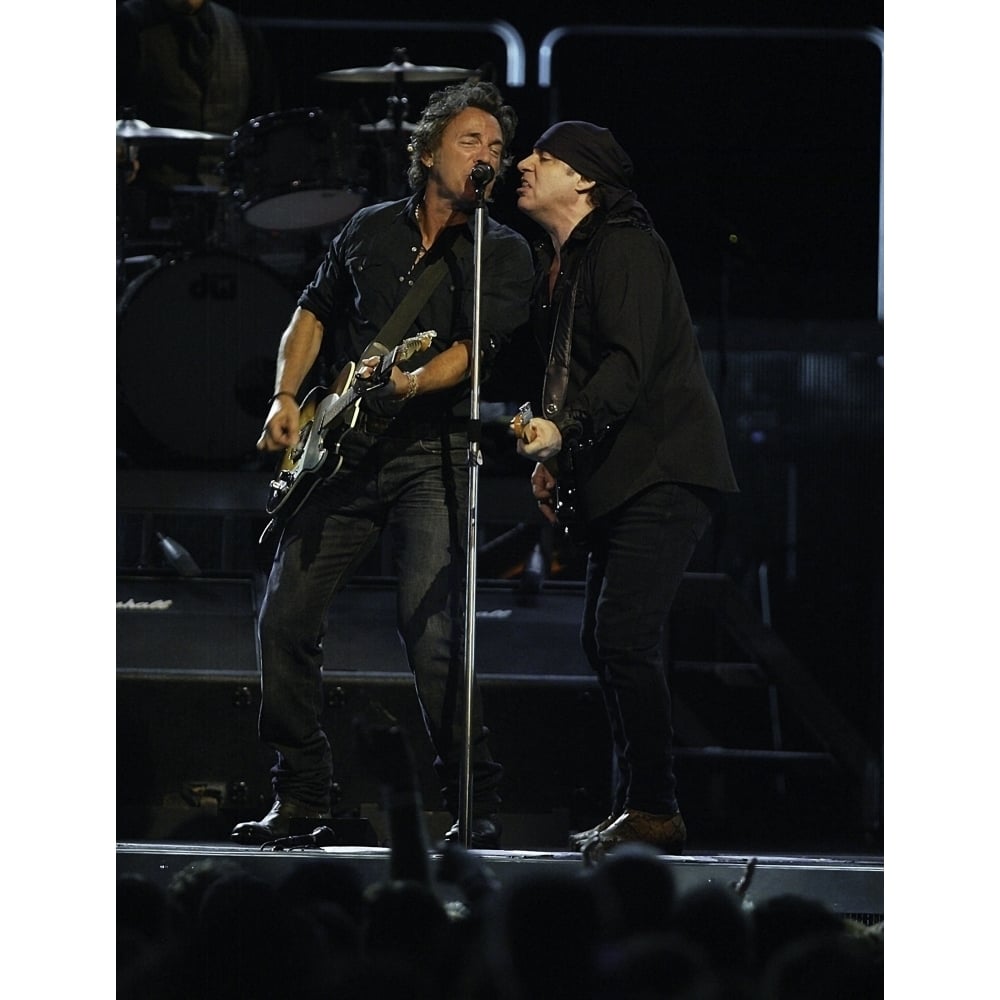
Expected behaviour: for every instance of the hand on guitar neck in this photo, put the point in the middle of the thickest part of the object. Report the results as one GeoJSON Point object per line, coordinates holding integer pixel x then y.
{"type": "Point", "coordinates": [289, 418]}
{"type": "Point", "coordinates": [536, 438]}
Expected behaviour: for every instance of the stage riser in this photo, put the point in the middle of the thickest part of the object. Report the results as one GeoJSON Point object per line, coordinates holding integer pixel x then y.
{"type": "Point", "coordinates": [190, 764]}
{"type": "Point", "coordinates": [186, 742]}
{"type": "Point", "coordinates": [852, 886]}
{"type": "Point", "coordinates": [188, 702]}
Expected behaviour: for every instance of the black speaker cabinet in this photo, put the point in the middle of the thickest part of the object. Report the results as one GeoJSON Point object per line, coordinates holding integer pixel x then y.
{"type": "Point", "coordinates": [189, 624]}
{"type": "Point", "coordinates": [207, 624]}
{"type": "Point", "coordinates": [534, 635]}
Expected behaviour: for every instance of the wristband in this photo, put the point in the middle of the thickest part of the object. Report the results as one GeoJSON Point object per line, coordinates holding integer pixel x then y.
{"type": "Point", "coordinates": [412, 389]}
{"type": "Point", "coordinates": [284, 392]}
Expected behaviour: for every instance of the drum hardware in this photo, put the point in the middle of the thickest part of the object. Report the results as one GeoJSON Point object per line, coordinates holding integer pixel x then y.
{"type": "Point", "coordinates": [390, 136]}
{"type": "Point", "coordinates": [392, 131]}
{"type": "Point", "coordinates": [183, 216]}
{"type": "Point", "coordinates": [395, 121]}
{"type": "Point", "coordinates": [132, 130]}
{"type": "Point", "coordinates": [385, 126]}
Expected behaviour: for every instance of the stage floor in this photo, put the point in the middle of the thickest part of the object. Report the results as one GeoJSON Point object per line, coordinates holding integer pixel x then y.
{"type": "Point", "coordinates": [850, 885]}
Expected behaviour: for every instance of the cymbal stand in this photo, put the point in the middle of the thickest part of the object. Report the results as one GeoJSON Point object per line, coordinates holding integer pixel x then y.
{"type": "Point", "coordinates": [127, 155]}
{"type": "Point", "coordinates": [394, 147]}
{"type": "Point", "coordinates": [394, 150]}
{"type": "Point", "coordinates": [475, 459]}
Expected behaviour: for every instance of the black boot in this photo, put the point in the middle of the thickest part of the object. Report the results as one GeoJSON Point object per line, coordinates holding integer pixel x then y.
{"type": "Point", "coordinates": [278, 822]}
{"type": "Point", "coordinates": [484, 833]}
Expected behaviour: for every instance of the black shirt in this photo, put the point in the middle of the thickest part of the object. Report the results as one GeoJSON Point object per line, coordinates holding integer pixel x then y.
{"type": "Point", "coordinates": [369, 268]}
{"type": "Point", "coordinates": [636, 377]}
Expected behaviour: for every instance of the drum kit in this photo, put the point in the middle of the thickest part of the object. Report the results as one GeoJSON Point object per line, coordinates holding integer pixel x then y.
{"type": "Point", "coordinates": [201, 306]}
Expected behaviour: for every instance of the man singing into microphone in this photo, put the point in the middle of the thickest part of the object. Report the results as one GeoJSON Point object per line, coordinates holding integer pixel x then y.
{"type": "Point", "coordinates": [405, 462]}
{"type": "Point", "coordinates": [630, 449]}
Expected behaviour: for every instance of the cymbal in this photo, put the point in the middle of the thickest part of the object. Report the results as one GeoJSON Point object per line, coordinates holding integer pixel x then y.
{"type": "Point", "coordinates": [134, 130]}
{"type": "Point", "coordinates": [397, 71]}
{"type": "Point", "coordinates": [387, 125]}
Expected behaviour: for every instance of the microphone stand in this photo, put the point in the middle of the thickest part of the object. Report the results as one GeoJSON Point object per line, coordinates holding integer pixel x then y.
{"type": "Point", "coordinates": [480, 180]}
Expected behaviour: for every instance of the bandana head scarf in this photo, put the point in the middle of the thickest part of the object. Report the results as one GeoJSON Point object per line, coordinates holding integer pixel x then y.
{"type": "Point", "coordinates": [590, 150]}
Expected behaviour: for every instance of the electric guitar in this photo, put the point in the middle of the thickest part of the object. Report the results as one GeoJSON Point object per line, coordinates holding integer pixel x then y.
{"type": "Point", "coordinates": [326, 414]}
{"type": "Point", "coordinates": [569, 501]}
{"type": "Point", "coordinates": [566, 500]}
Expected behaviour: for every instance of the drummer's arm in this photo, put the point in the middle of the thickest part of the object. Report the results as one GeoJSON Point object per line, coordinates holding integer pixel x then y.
{"type": "Point", "coordinates": [297, 352]}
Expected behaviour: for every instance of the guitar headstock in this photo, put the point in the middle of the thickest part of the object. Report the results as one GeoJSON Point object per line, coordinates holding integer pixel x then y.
{"type": "Point", "coordinates": [519, 422]}
{"type": "Point", "coordinates": [414, 345]}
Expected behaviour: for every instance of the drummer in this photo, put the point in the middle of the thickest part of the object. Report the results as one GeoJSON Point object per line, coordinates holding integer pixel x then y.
{"type": "Point", "coordinates": [187, 64]}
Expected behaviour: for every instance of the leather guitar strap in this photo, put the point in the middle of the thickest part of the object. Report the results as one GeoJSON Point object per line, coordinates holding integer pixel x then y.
{"type": "Point", "coordinates": [557, 370]}
{"type": "Point", "coordinates": [405, 313]}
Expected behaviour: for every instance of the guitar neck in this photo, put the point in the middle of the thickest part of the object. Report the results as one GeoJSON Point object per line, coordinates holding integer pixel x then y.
{"type": "Point", "coordinates": [355, 386]}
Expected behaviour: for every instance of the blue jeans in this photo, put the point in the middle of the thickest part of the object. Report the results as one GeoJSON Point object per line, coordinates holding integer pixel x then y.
{"type": "Point", "coordinates": [638, 555]}
{"type": "Point", "coordinates": [418, 489]}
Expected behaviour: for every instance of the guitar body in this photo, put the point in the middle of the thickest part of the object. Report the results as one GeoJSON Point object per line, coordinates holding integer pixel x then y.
{"type": "Point", "coordinates": [567, 499]}
{"type": "Point", "coordinates": [306, 464]}
{"type": "Point", "coordinates": [325, 415]}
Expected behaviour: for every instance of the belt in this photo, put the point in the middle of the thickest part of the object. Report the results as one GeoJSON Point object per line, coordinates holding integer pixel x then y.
{"type": "Point", "coordinates": [399, 427]}
{"type": "Point", "coordinates": [371, 423]}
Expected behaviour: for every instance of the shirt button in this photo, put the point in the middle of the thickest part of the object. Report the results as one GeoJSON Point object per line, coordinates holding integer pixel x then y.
{"type": "Point", "coordinates": [402, 278]}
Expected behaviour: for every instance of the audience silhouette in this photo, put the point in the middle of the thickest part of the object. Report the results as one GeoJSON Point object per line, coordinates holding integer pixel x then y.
{"type": "Point", "coordinates": [441, 926]}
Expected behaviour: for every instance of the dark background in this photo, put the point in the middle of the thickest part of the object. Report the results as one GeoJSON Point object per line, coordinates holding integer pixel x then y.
{"type": "Point", "coordinates": [770, 135]}
{"type": "Point", "coordinates": [758, 151]}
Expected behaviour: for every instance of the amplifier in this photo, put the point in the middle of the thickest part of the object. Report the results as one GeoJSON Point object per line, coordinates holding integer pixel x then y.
{"type": "Point", "coordinates": [206, 624]}
{"type": "Point", "coordinates": [191, 624]}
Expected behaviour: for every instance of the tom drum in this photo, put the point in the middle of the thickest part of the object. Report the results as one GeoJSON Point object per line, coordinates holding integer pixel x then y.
{"type": "Point", "coordinates": [292, 170]}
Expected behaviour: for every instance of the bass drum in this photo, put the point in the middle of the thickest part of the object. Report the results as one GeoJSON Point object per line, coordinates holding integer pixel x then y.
{"type": "Point", "coordinates": [197, 345]}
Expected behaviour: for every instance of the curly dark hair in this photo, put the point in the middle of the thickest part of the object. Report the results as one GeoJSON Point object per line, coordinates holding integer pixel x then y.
{"type": "Point", "coordinates": [441, 108]}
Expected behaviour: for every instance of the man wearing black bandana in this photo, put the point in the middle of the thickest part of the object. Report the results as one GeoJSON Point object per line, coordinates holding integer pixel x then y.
{"type": "Point", "coordinates": [630, 449]}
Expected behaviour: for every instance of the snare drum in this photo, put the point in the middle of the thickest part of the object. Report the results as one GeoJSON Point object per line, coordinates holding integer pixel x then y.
{"type": "Point", "coordinates": [197, 344]}
{"type": "Point", "coordinates": [292, 170]}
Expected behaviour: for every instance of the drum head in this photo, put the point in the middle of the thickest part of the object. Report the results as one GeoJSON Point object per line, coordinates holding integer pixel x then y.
{"type": "Point", "coordinates": [303, 209]}
{"type": "Point", "coordinates": [197, 343]}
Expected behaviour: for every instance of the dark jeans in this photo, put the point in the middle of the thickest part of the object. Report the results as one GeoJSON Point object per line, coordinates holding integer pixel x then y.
{"type": "Point", "coordinates": [418, 489]}
{"type": "Point", "coordinates": [638, 555]}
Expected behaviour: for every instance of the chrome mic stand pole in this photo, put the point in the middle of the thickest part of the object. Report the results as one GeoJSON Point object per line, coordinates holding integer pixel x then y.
{"type": "Point", "coordinates": [481, 175]}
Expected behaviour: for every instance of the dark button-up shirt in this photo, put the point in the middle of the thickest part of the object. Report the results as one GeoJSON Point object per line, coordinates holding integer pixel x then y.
{"type": "Point", "coordinates": [369, 268]}
{"type": "Point", "coordinates": [636, 377]}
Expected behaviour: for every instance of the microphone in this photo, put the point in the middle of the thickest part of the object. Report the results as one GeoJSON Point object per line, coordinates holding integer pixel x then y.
{"type": "Point", "coordinates": [322, 836]}
{"type": "Point", "coordinates": [482, 174]}
{"type": "Point", "coordinates": [178, 556]}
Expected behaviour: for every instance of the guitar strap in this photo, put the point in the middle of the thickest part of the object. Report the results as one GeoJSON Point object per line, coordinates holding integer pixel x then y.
{"type": "Point", "coordinates": [557, 370]}
{"type": "Point", "coordinates": [405, 313]}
